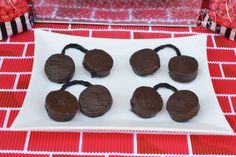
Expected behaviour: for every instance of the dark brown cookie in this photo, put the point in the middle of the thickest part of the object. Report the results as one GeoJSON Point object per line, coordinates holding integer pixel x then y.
{"type": "Point", "coordinates": [145, 62]}
{"type": "Point", "coordinates": [59, 68]}
{"type": "Point", "coordinates": [183, 105]}
{"type": "Point", "coordinates": [146, 102]}
{"type": "Point", "coordinates": [183, 68]}
{"type": "Point", "coordinates": [98, 63]}
{"type": "Point", "coordinates": [61, 105]}
{"type": "Point", "coordinates": [95, 101]}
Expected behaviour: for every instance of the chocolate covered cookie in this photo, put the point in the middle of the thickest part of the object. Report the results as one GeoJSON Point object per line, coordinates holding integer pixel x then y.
{"type": "Point", "coordinates": [61, 105]}
{"type": "Point", "coordinates": [183, 105]}
{"type": "Point", "coordinates": [146, 102]}
{"type": "Point", "coordinates": [59, 68]}
{"type": "Point", "coordinates": [145, 62]}
{"type": "Point", "coordinates": [183, 68]}
{"type": "Point", "coordinates": [98, 63]}
{"type": "Point", "coordinates": [95, 101]}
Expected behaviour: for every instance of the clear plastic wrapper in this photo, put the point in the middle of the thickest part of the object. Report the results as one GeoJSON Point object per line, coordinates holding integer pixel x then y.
{"type": "Point", "coordinates": [135, 12]}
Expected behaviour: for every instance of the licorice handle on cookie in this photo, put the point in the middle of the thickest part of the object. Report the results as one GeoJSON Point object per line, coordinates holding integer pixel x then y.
{"type": "Point", "coordinates": [146, 61]}
{"type": "Point", "coordinates": [178, 53]}
{"type": "Point", "coordinates": [96, 61]}
{"type": "Point", "coordinates": [76, 46]}
{"type": "Point", "coordinates": [75, 82]}
{"type": "Point", "coordinates": [182, 68]}
{"type": "Point", "coordinates": [182, 105]}
{"type": "Point", "coordinates": [94, 101]}
{"type": "Point", "coordinates": [60, 68]}
{"type": "Point", "coordinates": [61, 105]}
{"type": "Point", "coordinates": [165, 85]}
{"type": "Point", "coordinates": [146, 102]}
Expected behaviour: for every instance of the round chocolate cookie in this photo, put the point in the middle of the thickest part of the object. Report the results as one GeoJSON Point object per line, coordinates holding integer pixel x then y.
{"type": "Point", "coordinates": [146, 102]}
{"type": "Point", "coordinates": [98, 63]}
{"type": "Point", "coordinates": [95, 101]}
{"type": "Point", "coordinates": [183, 105]}
{"type": "Point", "coordinates": [59, 68]}
{"type": "Point", "coordinates": [61, 105]}
{"type": "Point", "coordinates": [145, 62]}
{"type": "Point", "coordinates": [183, 68]}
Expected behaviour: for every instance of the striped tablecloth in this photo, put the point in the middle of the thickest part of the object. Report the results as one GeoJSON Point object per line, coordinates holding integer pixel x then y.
{"type": "Point", "coordinates": [16, 59]}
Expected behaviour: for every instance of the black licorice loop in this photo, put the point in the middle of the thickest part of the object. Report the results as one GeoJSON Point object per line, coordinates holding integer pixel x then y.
{"type": "Point", "coordinates": [76, 46]}
{"type": "Point", "coordinates": [166, 85]}
{"type": "Point", "coordinates": [75, 82]}
{"type": "Point", "coordinates": [170, 46]}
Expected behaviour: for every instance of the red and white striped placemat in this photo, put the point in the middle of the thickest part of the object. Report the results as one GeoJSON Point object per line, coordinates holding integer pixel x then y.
{"type": "Point", "coordinates": [16, 59]}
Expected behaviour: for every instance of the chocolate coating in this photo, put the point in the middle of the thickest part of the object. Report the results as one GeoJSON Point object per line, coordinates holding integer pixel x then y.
{"type": "Point", "coordinates": [98, 63]}
{"type": "Point", "coordinates": [183, 68]}
{"type": "Point", "coordinates": [95, 101]}
{"type": "Point", "coordinates": [61, 105]}
{"type": "Point", "coordinates": [145, 62]}
{"type": "Point", "coordinates": [183, 105]}
{"type": "Point", "coordinates": [59, 68]}
{"type": "Point", "coordinates": [146, 102]}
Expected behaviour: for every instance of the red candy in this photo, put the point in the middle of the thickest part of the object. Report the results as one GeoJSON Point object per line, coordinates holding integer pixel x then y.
{"type": "Point", "coordinates": [223, 12]}
{"type": "Point", "coordinates": [10, 9]}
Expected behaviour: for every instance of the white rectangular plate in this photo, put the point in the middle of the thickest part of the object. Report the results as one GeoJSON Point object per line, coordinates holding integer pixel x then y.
{"type": "Point", "coordinates": [121, 82]}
